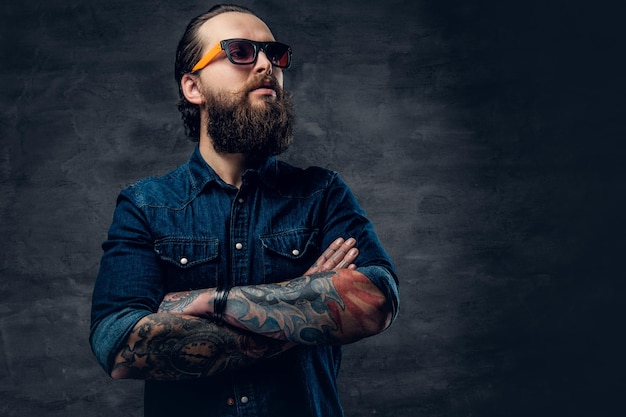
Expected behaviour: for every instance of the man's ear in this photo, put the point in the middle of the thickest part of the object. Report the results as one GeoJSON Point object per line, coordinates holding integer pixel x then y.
{"type": "Point", "coordinates": [190, 85]}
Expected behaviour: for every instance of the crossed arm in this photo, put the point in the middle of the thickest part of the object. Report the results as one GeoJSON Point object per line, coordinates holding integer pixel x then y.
{"type": "Point", "coordinates": [331, 304]}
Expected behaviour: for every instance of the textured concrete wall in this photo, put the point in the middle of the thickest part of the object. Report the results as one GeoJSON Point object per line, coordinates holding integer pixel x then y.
{"type": "Point", "coordinates": [483, 138]}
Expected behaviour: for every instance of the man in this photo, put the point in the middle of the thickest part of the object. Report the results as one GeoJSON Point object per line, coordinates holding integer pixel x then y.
{"type": "Point", "coordinates": [229, 284]}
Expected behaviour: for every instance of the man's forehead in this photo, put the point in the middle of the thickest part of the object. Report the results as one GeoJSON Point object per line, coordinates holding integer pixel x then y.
{"type": "Point", "coordinates": [234, 25]}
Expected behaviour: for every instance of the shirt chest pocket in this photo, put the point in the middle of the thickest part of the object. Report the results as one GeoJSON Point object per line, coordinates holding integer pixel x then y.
{"type": "Point", "coordinates": [288, 254]}
{"type": "Point", "coordinates": [189, 263]}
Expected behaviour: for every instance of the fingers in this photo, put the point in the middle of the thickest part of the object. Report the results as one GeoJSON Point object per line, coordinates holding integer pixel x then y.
{"type": "Point", "coordinates": [332, 249]}
{"type": "Point", "coordinates": [327, 254]}
{"type": "Point", "coordinates": [344, 256]}
{"type": "Point", "coordinates": [339, 255]}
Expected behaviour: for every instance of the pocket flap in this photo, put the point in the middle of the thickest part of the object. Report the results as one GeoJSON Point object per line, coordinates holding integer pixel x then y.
{"type": "Point", "coordinates": [291, 244]}
{"type": "Point", "coordinates": [186, 253]}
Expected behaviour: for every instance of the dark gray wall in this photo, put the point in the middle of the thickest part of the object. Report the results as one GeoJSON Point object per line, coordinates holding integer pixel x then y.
{"type": "Point", "coordinates": [483, 138]}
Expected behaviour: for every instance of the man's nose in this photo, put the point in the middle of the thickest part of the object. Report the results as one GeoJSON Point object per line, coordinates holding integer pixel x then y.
{"type": "Point", "coordinates": [263, 64]}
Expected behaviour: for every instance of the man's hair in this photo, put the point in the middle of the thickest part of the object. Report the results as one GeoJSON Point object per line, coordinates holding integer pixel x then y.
{"type": "Point", "coordinates": [188, 53]}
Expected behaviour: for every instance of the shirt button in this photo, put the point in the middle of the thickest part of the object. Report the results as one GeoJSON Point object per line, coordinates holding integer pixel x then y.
{"type": "Point", "coordinates": [240, 200]}
{"type": "Point", "coordinates": [295, 252]}
{"type": "Point", "coordinates": [184, 261]}
{"type": "Point", "coordinates": [230, 401]}
{"type": "Point", "coordinates": [244, 400]}
{"type": "Point", "coordinates": [238, 245]}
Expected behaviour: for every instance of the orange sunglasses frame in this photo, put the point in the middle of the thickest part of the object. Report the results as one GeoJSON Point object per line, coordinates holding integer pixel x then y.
{"type": "Point", "coordinates": [208, 57]}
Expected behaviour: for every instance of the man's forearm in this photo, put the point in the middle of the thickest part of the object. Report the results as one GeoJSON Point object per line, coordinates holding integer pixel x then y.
{"type": "Point", "coordinates": [332, 307]}
{"type": "Point", "coordinates": [166, 346]}
{"type": "Point", "coordinates": [186, 345]}
{"type": "Point", "coordinates": [335, 307]}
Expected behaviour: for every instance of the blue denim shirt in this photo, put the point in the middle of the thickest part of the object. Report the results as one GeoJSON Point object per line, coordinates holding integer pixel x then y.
{"type": "Point", "coordinates": [187, 230]}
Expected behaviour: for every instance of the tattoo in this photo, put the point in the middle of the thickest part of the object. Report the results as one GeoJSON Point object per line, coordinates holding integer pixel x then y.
{"type": "Point", "coordinates": [179, 301]}
{"type": "Point", "coordinates": [303, 310]}
{"type": "Point", "coordinates": [173, 347]}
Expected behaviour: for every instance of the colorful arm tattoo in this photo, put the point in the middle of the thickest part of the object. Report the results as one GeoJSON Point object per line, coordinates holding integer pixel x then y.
{"type": "Point", "coordinates": [332, 307]}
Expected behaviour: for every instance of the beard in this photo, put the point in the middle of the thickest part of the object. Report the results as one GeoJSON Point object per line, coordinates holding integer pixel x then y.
{"type": "Point", "coordinates": [256, 131]}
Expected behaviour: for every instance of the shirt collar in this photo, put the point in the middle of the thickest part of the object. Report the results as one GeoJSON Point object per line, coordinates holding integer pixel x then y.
{"type": "Point", "coordinates": [201, 173]}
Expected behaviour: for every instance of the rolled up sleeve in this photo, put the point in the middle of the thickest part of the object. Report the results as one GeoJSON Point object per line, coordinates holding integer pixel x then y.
{"type": "Point", "coordinates": [345, 218]}
{"type": "Point", "coordinates": [386, 283]}
{"type": "Point", "coordinates": [129, 285]}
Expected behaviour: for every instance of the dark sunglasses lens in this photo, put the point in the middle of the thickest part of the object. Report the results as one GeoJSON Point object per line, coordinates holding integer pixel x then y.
{"type": "Point", "coordinates": [241, 52]}
{"type": "Point", "coordinates": [278, 53]}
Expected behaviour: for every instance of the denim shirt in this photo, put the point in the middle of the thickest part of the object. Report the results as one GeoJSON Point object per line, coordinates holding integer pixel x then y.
{"type": "Point", "coordinates": [188, 230]}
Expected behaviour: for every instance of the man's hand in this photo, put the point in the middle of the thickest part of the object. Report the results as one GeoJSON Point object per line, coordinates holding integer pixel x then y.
{"type": "Point", "coordinates": [339, 255]}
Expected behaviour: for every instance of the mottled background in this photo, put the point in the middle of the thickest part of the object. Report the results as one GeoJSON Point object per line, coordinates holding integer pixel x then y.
{"type": "Point", "coordinates": [484, 139]}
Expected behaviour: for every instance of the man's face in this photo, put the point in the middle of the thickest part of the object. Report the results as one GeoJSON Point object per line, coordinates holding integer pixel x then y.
{"type": "Point", "coordinates": [245, 108]}
{"type": "Point", "coordinates": [224, 78]}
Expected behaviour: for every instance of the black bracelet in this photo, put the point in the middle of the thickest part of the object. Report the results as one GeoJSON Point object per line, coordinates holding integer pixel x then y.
{"type": "Point", "coordinates": [219, 305]}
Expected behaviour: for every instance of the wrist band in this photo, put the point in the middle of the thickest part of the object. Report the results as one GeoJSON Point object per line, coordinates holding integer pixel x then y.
{"type": "Point", "coordinates": [219, 305]}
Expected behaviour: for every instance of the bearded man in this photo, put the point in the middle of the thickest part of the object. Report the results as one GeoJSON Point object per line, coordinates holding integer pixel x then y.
{"type": "Point", "coordinates": [230, 284]}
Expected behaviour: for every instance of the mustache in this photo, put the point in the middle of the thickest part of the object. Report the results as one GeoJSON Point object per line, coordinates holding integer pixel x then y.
{"type": "Point", "coordinates": [265, 81]}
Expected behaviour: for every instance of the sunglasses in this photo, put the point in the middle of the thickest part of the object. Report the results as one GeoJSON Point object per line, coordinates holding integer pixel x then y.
{"type": "Point", "coordinates": [245, 51]}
